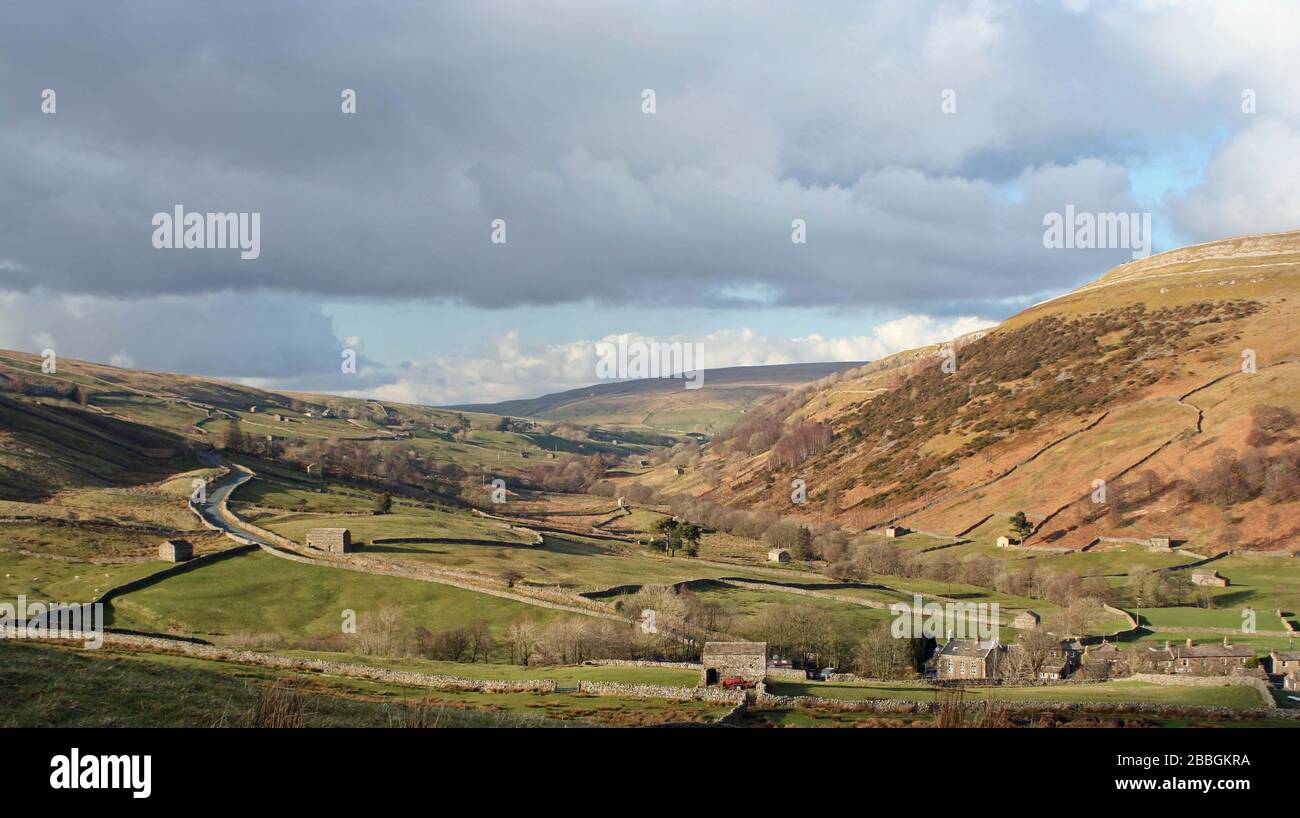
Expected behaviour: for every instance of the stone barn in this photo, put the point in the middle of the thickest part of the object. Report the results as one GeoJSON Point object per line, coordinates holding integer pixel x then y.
{"type": "Point", "coordinates": [895, 531]}
{"type": "Point", "coordinates": [1027, 620]}
{"type": "Point", "coordinates": [337, 540]}
{"type": "Point", "coordinates": [729, 660]}
{"type": "Point", "coordinates": [175, 550]}
{"type": "Point", "coordinates": [1005, 542]}
{"type": "Point", "coordinates": [778, 555]}
{"type": "Point", "coordinates": [1209, 578]}
{"type": "Point", "coordinates": [1159, 544]}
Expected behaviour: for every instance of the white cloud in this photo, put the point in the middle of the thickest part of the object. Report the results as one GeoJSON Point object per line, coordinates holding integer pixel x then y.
{"type": "Point", "coordinates": [1250, 186]}
{"type": "Point", "coordinates": [509, 368]}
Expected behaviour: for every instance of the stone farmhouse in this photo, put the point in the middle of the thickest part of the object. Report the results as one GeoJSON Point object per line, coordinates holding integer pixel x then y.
{"type": "Point", "coordinates": [778, 555]}
{"type": "Point", "coordinates": [729, 660]}
{"type": "Point", "coordinates": [968, 659]}
{"type": "Point", "coordinates": [175, 550]}
{"type": "Point", "coordinates": [1209, 578]}
{"type": "Point", "coordinates": [1206, 660]}
{"type": "Point", "coordinates": [336, 540]}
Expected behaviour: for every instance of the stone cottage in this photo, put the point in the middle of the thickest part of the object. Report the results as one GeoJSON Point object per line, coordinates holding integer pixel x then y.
{"type": "Point", "coordinates": [1209, 578]}
{"type": "Point", "coordinates": [778, 555]}
{"type": "Point", "coordinates": [1112, 657]}
{"type": "Point", "coordinates": [336, 540]}
{"type": "Point", "coordinates": [175, 550]}
{"type": "Point", "coordinates": [729, 660]}
{"type": "Point", "coordinates": [1283, 662]}
{"type": "Point", "coordinates": [1204, 660]}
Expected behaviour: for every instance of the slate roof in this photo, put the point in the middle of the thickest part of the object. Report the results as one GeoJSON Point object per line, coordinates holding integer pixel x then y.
{"type": "Point", "coordinates": [735, 649]}
{"type": "Point", "coordinates": [968, 647]}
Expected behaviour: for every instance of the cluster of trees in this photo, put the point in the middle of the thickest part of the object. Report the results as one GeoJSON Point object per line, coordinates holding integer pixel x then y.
{"type": "Point", "coordinates": [678, 535]}
{"type": "Point", "coordinates": [1161, 589]}
{"type": "Point", "coordinates": [798, 442]}
{"type": "Point", "coordinates": [569, 473]}
{"type": "Point", "coordinates": [388, 632]}
{"type": "Point", "coordinates": [22, 384]}
{"type": "Point", "coordinates": [1231, 479]}
{"type": "Point", "coordinates": [351, 459]}
{"type": "Point", "coordinates": [803, 537]}
{"type": "Point", "coordinates": [678, 610]}
{"type": "Point", "coordinates": [857, 560]}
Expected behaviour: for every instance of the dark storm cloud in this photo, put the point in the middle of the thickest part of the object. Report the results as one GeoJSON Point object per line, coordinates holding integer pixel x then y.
{"type": "Point", "coordinates": [530, 113]}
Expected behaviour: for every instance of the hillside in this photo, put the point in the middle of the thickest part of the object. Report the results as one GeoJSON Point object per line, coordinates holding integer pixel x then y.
{"type": "Point", "coordinates": [663, 403]}
{"type": "Point", "coordinates": [1135, 380]}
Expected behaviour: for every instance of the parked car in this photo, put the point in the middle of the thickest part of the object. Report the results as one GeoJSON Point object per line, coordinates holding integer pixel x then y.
{"type": "Point", "coordinates": [821, 675]}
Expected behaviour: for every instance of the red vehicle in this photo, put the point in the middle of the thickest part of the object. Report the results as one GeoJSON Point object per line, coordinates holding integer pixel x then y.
{"type": "Point", "coordinates": [736, 681]}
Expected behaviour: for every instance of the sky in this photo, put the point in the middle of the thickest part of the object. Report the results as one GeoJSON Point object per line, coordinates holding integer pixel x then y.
{"type": "Point", "coordinates": [918, 144]}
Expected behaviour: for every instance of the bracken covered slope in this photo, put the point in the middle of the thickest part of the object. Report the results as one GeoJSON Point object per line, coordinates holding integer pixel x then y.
{"type": "Point", "coordinates": [1160, 400]}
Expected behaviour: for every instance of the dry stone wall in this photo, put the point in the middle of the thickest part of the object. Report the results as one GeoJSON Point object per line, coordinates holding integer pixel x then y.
{"type": "Point", "coordinates": [716, 695]}
{"type": "Point", "coordinates": [159, 644]}
{"type": "Point", "coordinates": [1189, 680]}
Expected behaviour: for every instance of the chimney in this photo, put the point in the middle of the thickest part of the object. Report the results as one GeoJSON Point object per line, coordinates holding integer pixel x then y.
{"type": "Point", "coordinates": [1225, 640]}
{"type": "Point", "coordinates": [1189, 641]}
{"type": "Point", "coordinates": [1168, 644]}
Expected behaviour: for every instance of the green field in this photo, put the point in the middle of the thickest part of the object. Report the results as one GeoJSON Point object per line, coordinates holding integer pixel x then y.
{"type": "Point", "coordinates": [748, 607]}
{"type": "Point", "coordinates": [44, 580]}
{"type": "Point", "coordinates": [263, 596]}
{"type": "Point", "coordinates": [1158, 618]}
{"type": "Point", "coordinates": [406, 522]}
{"type": "Point", "coordinates": [110, 689]}
{"type": "Point", "coordinates": [1109, 692]}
